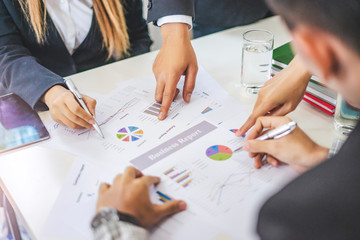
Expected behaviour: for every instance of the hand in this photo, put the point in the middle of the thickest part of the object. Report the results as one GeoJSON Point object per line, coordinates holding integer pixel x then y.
{"type": "Point", "coordinates": [176, 57]}
{"type": "Point", "coordinates": [281, 94]}
{"type": "Point", "coordinates": [295, 149]}
{"type": "Point", "coordinates": [129, 194]}
{"type": "Point", "coordinates": [65, 109]}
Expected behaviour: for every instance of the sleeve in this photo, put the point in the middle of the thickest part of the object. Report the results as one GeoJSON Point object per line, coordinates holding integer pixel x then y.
{"type": "Point", "coordinates": [161, 8]}
{"type": "Point", "coordinates": [319, 204]}
{"type": "Point", "coordinates": [175, 19]}
{"type": "Point", "coordinates": [113, 229]}
{"type": "Point", "coordinates": [140, 41]}
{"type": "Point", "coordinates": [20, 73]}
{"type": "Point", "coordinates": [120, 231]}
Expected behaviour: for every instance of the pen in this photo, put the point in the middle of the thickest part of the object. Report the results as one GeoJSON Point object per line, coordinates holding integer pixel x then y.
{"type": "Point", "coordinates": [70, 84]}
{"type": "Point", "coordinates": [277, 133]}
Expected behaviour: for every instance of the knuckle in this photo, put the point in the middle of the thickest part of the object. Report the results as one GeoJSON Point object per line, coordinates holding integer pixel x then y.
{"type": "Point", "coordinates": [77, 110]}
{"type": "Point", "coordinates": [167, 94]}
{"type": "Point", "coordinates": [139, 184]}
{"type": "Point", "coordinates": [118, 178]}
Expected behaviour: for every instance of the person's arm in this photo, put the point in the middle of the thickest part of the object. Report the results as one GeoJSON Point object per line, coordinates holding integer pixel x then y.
{"type": "Point", "coordinates": [295, 149]}
{"type": "Point", "coordinates": [176, 56]}
{"type": "Point", "coordinates": [21, 73]}
{"type": "Point", "coordinates": [139, 38]}
{"type": "Point", "coordinates": [281, 94]}
{"type": "Point", "coordinates": [110, 224]}
{"type": "Point", "coordinates": [124, 209]}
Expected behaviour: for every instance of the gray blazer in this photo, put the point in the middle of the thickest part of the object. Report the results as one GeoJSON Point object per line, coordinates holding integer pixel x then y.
{"type": "Point", "coordinates": [161, 8]}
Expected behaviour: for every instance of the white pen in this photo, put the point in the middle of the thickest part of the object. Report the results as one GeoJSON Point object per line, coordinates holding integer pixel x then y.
{"type": "Point", "coordinates": [277, 133]}
{"type": "Point", "coordinates": [70, 84]}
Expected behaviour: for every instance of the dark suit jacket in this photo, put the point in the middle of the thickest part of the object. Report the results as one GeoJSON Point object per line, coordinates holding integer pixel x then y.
{"type": "Point", "coordinates": [229, 13]}
{"type": "Point", "coordinates": [323, 203]}
{"type": "Point", "coordinates": [161, 8]}
{"type": "Point", "coordinates": [29, 69]}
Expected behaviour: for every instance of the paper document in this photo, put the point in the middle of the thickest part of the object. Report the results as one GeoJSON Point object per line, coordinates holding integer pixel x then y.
{"type": "Point", "coordinates": [192, 151]}
{"type": "Point", "coordinates": [128, 119]}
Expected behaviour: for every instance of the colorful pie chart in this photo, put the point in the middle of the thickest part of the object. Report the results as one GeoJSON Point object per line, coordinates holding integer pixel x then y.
{"type": "Point", "coordinates": [130, 134]}
{"type": "Point", "coordinates": [219, 153]}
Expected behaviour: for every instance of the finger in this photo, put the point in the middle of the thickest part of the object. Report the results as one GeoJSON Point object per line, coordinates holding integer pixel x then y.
{"type": "Point", "coordinates": [264, 123]}
{"type": "Point", "coordinates": [117, 179]}
{"type": "Point", "coordinates": [170, 208]}
{"type": "Point", "coordinates": [75, 119]}
{"type": "Point", "coordinates": [131, 173]}
{"type": "Point", "coordinates": [103, 188]}
{"type": "Point", "coordinates": [176, 94]}
{"type": "Point", "coordinates": [258, 161]}
{"type": "Point", "coordinates": [258, 146]}
{"type": "Point", "coordinates": [246, 126]}
{"type": "Point", "coordinates": [160, 86]}
{"type": "Point", "coordinates": [272, 161]}
{"type": "Point", "coordinates": [77, 110]}
{"type": "Point", "coordinates": [190, 79]}
{"type": "Point", "coordinates": [281, 110]}
{"type": "Point", "coordinates": [90, 103]}
{"type": "Point", "coordinates": [168, 97]}
{"type": "Point", "coordinates": [67, 122]}
{"type": "Point", "coordinates": [151, 180]}
{"type": "Point", "coordinates": [251, 120]}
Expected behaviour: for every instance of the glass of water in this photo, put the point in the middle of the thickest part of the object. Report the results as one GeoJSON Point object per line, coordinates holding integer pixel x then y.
{"type": "Point", "coordinates": [257, 54]}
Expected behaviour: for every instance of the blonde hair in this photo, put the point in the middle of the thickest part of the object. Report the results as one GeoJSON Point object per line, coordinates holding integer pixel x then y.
{"type": "Point", "coordinates": [109, 15]}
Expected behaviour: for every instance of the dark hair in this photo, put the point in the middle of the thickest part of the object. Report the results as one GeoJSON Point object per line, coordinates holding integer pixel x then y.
{"type": "Point", "coordinates": [338, 17]}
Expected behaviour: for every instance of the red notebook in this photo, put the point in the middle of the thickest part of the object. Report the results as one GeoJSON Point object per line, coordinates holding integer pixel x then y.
{"type": "Point", "coordinates": [320, 104]}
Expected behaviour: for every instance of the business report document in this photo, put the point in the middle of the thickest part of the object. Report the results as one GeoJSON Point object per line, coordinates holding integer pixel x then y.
{"type": "Point", "coordinates": [192, 151]}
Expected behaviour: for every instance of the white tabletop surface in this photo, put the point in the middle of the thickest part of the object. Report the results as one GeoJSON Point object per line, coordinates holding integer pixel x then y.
{"type": "Point", "coordinates": [34, 175]}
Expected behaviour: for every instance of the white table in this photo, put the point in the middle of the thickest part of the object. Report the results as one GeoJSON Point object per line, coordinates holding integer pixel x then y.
{"type": "Point", "coordinates": [34, 176]}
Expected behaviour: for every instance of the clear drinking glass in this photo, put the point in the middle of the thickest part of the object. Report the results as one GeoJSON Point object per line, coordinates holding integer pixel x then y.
{"type": "Point", "coordinates": [346, 117]}
{"type": "Point", "coordinates": [257, 54]}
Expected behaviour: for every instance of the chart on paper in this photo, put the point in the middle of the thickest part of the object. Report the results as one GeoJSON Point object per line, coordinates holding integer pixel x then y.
{"type": "Point", "coordinates": [132, 105]}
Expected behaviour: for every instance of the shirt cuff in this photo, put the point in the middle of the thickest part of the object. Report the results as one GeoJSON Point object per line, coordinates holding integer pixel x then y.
{"type": "Point", "coordinates": [175, 19]}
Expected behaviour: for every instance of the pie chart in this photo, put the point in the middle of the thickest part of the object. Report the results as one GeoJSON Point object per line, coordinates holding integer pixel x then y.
{"type": "Point", "coordinates": [219, 153]}
{"type": "Point", "coordinates": [130, 134]}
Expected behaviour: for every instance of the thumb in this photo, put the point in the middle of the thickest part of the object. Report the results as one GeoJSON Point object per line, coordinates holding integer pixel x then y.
{"type": "Point", "coordinates": [258, 146]}
{"type": "Point", "coordinates": [103, 188]}
{"type": "Point", "coordinates": [171, 207]}
{"type": "Point", "coordinates": [90, 103]}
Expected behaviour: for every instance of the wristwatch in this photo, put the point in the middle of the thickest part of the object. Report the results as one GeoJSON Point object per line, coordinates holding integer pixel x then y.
{"type": "Point", "coordinates": [110, 214]}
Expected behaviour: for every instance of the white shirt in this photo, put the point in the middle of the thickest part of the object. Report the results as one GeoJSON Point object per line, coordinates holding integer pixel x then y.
{"type": "Point", "coordinates": [72, 19]}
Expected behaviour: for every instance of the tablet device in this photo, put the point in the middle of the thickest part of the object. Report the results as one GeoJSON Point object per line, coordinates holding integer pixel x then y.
{"type": "Point", "coordinates": [20, 125]}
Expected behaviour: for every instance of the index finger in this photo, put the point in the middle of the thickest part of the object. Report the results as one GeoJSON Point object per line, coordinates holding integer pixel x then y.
{"type": "Point", "coordinates": [131, 173]}
{"type": "Point", "coordinates": [266, 123]}
{"type": "Point", "coordinates": [150, 180]}
{"type": "Point", "coordinates": [77, 110]}
{"type": "Point", "coordinates": [168, 97]}
{"type": "Point", "coordinates": [257, 112]}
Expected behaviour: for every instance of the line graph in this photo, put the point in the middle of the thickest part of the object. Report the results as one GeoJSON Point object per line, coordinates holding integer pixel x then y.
{"type": "Point", "coordinates": [231, 183]}
{"type": "Point", "coordinates": [127, 105]}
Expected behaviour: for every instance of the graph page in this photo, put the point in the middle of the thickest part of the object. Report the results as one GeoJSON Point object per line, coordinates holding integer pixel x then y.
{"type": "Point", "coordinates": [192, 151]}
{"type": "Point", "coordinates": [223, 190]}
{"type": "Point", "coordinates": [128, 119]}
